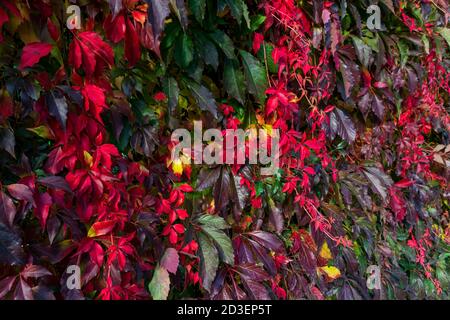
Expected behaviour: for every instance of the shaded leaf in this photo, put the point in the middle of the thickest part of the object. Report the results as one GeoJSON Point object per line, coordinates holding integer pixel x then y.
{"type": "Point", "coordinates": [255, 76]}
{"type": "Point", "coordinates": [204, 97]}
{"type": "Point", "coordinates": [233, 80]}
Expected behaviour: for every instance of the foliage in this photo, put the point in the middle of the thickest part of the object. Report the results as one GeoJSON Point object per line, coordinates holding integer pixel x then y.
{"type": "Point", "coordinates": [86, 178]}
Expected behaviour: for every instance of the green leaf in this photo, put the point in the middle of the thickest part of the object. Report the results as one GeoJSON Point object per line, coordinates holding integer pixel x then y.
{"type": "Point", "coordinates": [223, 243]}
{"type": "Point", "coordinates": [223, 41]}
{"type": "Point", "coordinates": [213, 221]}
{"type": "Point", "coordinates": [172, 91]}
{"type": "Point", "coordinates": [209, 261]}
{"type": "Point", "coordinates": [233, 80]}
{"type": "Point", "coordinates": [445, 33]}
{"type": "Point", "coordinates": [255, 76]}
{"type": "Point", "coordinates": [238, 9]}
{"type": "Point", "coordinates": [184, 51]}
{"type": "Point", "coordinates": [159, 286]}
{"type": "Point", "coordinates": [203, 96]}
{"type": "Point", "coordinates": [198, 9]}
{"type": "Point", "coordinates": [207, 50]}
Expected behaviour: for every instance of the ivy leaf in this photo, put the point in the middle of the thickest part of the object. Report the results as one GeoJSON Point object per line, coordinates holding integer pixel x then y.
{"type": "Point", "coordinates": [57, 106]}
{"type": "Point", "coordinates": [7, 209]}
{"type": "Point", "coordinates": [170, 260]}
{"type": "Point", "coordinates": [158, 11]}
{"type": "Point", "coordinates": [378, 107]}
{"type": "Point", "coordinates": [184, 50]}
{"type": "Point", "coordinates": [116, 7]}
{"type": "Point", "coordinates": [198, 8]}
{"type": "Point", "coordinates": [207, 50]}
{"type": "Point", "coordinates": [223, 41]}
{"type": "Point", "coordinates": [342, 125]}
{"type": "Point", "coordinates": [255, 76]}
{"type": "Point", "coordinates": [55, 182]}
{"type": "Point", "coordinates": [209, 261]}
{"type": "Point", "coordinates": [203, 96]}
{"type": "Point", "coordinates": [207, 178]}
{"type": "Point", "coordinates": [179, 7]}
{"type": "Point", "coordinates": [445, 33]}
{"type": "Point", "coordinates": [380, 182]}
{"type": "Point", "coordinates": [21, 192]}
{"type": "Point", "coordinates": [213, 221]}
{"type": "Point", "coordinates": [172, 91]}
{"type": "Point", "coordinates": [11, 251]}
{"type": "Point", "coordinates": [233, 80]}
{"type": "Point", "coordinates": [238, 9]}
{"type": "Point", "coordinates": [7, 141]}
{"type": "Point", "coordinates": [159, 287]}
{"type": "Point", "coordinates": [33, 52]}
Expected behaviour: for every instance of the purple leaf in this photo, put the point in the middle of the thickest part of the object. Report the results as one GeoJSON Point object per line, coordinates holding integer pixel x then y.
{"type": "Point", "coordinates": [23, 291]}
{"type": "Point", "coordinates": [7, 209]}
{"type": "Point", "coordinates": [32, 271]}
{"type": "Point", "coordinates": [170, 260]}
{"type": "Point", "coordinates": [158, 11]}
{"type": "Point", "coordinates": [342, 125]}
{"type": "Point", "coordinates": [21, 192]}
{"type": "Point", "coordinates": [268, 240]}
{"type": "Point", "coordinates": [55, 182]}
{"type": "Point", "coordinates": [6, 285]}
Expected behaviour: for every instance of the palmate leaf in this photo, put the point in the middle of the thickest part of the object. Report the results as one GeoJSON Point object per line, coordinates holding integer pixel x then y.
{"type": "Point", "coordinates": [255, 76]}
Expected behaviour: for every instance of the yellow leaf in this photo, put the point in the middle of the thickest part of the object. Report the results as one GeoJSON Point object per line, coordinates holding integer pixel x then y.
{"type": "Point", "coordinates": [88, 158]}
{"type": "Point", "coordinates": [43, 132]}
{"type": "Point", "coordinates": [325, 252]}
{"type": "Point", "coordinates": [331, 272]}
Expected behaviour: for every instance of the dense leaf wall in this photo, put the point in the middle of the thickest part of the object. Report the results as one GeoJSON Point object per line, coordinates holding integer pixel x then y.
{"type": "Point", "coordinates": [86, 178]}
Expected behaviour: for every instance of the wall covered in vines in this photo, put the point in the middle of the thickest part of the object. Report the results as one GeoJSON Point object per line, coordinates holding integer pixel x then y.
{"type": "Point", "coordinates": [88, 187]}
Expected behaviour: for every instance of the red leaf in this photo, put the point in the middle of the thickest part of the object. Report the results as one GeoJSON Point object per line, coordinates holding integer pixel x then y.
{"type": "Point", "coordinates": [33, 52]}
{"type": "Point", "coordinates": [170, 260]}
{"type": "Point", "coordinates": [257, 41]}
{"type": "Point", "coordinates": [405, 183]}
{"type": "Point", "coordinates": [132, 46]}
{"type": "Point", "coordinates": [101, 228]}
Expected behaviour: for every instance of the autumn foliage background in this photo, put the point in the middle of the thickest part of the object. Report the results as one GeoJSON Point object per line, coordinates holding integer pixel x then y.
{"type": "Point", "coordinates": [86, 177]}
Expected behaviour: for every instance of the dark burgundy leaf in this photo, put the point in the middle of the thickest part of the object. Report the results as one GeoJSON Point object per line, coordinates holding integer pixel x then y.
{"type": "Point", "coordinates": [11, 251]}
{"type": "Point", "coordinates": [55, 182]}
{"type": "Point", "coordinates": [157, 14]}
{"type": "Point", "coordinates": [57, 106]}
{"type": "Point", "coordinates": [7, 209]}
{"type": "Point", "coordinates": [6, 285]}
{"type": "Point", "coordinates": [268, 240]}
{"type": "Point", "coordinates": [23, 291]}
{"type": "Point", "coordinates": [7, 141]}
{"type": "Point", "coordinates": [342, 125]}
{"type": "Point", "coordinates": [33, 271]}
{"type": "Point", "coordinates": [21, 192]}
